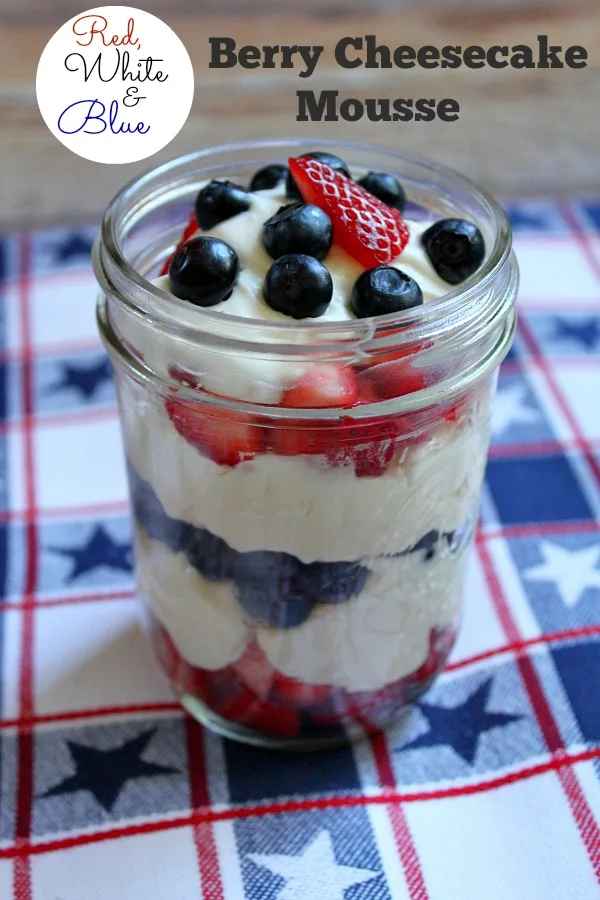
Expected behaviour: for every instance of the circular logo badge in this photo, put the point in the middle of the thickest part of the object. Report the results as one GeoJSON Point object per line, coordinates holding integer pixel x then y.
{"type": "Point", "coordinates": [115, 84]}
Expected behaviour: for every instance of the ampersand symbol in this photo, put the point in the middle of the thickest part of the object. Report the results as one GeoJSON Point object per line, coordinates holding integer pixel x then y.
{"type": "Point", "coordinates": [129, 99]}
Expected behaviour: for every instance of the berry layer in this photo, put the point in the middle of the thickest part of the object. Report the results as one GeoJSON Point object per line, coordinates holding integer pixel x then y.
{"type": "Point", "coordinates": [373, 639]}
{"type": "Point", "coordinates": [244, 233]}
{"type": "Point", "coordinates": [301, 506]}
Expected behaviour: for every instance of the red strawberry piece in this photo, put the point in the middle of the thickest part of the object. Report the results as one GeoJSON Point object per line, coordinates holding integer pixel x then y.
{"type": "Point", "coordinates": [233, 700]}
{"type": "Point", "coordinates": [224, 436]}
{"type": "Point", "coordinates": [382, 705]}
{"type": "Point", "coordinates": [369, 447]}
{"type": "Point", "coordinates": [396, 378]}
{"type": "Point", "coordinates": [190, 229]}
{"type": "Point", "coordinates": [369, 230]}
{"type": "Point", "coordinates": [441, 641]}
{"type": "Point", "coordinates": [291, 692]}
{"type": "Point", "coordinates": [299, 438]}
{"type": "Point", "coordinates": [255, 670]}
{"type": "Point", "coordinates": [273, 719]}
{"type": "Point", "coordinates": [179, 671]}
{"type": "Point", "coordinates": [322, 386]}
{"type": "Point", "coordinates": [183, 377]}
{"type": "Point", "coordinates": [366, 392]}
{"type": "Point", "coordinates": [370, 460]}
{"type": "Point", "coordinates": [166, 651]}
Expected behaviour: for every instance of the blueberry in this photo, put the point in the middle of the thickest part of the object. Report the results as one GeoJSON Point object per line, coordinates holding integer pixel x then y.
{"type": "Point", "coordinates": [332, 582]}
{"type": "Point", "coordinates": [218, 201]}
{"type": "Point", "coordinates": [334, 162]}
{"type": "Point", "coordinates": [299, 286]}
{"type": "Point", "coordinates": [150, 514]}
{"type": "Point", "coordinates": [210, 555]}
{"type": "Point", "coordinates": [429, 543]}
{"type": "Point", "coordinates": [455, 247]}
{"type": "Point", "coordinates": [298, 228]}
{"type": "Point", "coordinates": [204, 271]}
{"type": "Point", "coordinates": [384, 290]}
{"type": "Point", "coordinates": [267, 588]}
{"type": "Point", "coordinates": [268, 177]}
{"type": "Point", "coordinates": [385, 187]}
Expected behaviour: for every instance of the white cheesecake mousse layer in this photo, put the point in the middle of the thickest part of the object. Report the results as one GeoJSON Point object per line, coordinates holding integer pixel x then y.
{"type": "Point", "coordinates": [361, 645]}
{"type": "Point", "coordinates": [300, 505]}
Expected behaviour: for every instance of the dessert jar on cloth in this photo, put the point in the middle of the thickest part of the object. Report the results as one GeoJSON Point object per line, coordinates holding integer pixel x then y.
{"type": "Point", "coordinates": [305, 440]}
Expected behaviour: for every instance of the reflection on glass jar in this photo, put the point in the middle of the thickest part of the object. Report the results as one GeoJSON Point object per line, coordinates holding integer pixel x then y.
{"type": "Point", "coordinates": [302, 567]}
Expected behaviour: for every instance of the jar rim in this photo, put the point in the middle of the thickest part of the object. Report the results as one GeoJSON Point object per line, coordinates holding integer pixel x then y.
{"type": "Point", "coordinates": [117, 275]}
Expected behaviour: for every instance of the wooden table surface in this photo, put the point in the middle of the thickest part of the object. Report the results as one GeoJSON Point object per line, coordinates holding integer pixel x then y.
{"type": "Point", "coordinates": [522, 133]}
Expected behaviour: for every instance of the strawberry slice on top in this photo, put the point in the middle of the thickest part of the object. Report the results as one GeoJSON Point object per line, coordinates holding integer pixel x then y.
{"type": "Point", "coordinates": [190, 229]}
{"type": "Point", "coordinates": [370, 231]}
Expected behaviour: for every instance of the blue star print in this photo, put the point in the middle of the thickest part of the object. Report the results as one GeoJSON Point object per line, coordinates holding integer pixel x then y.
{"type": "Point", "coordinates": [586, 331]}
{"type": "Point", "coordinates": [73, 247]}
{"type": "Point", "coordinates": [86, 380]}
{"type": "Point", "coordinates": [100, 550]}
{"type": "Point", "coordinates": [461, 726]}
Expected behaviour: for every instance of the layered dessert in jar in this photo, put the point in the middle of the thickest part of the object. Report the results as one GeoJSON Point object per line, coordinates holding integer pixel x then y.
{"type": "Point", "coordinates": [303, 507]}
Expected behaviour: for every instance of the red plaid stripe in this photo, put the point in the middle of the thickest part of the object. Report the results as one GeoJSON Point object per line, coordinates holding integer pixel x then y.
{"type": "Point", "coordinates": [202, 817]}
{"type": "Point", "coordinates": [584, 818]}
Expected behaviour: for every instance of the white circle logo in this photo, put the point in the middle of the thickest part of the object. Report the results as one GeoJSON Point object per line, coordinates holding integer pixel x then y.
{"type": "Point", "coordinates": [115, 84]}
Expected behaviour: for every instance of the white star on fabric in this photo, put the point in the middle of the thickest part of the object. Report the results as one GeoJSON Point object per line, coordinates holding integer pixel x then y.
{"type": "Point", "coordinates": [314, 875]}
{"type": "Point", "coordinates": [510, 407]}
{"type": "Point", "coordinates": [572, 571]}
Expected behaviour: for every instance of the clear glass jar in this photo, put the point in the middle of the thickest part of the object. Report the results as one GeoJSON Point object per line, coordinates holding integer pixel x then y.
{"type": "Point", "coordinates": [310, 591]}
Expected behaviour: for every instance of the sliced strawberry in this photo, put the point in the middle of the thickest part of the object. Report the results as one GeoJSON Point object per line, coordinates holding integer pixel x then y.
{"type": "Point", "coordinates": [255, 670]}
{"type": "Point", "coordinates": [183, 377]}
{"type": "Point", "coordinates": [301, 438]}
{"type": "Point", "coordinates": [188, 231]}
{"type": "Point", "coordinates": [369, 230]}
{"type": "Point", "coordinates": [366, 392]}
{"type": "Point", "coordinates": [264, 716]}
{"type": "Point", "coordinates": [294, 693]}
{"type": "Point", "coordinates": [370, 460]}
{"type": "Point", "coordinates": [232, 699]}
{"type": "Point", "coordinates": [167, 653]}
{"type": "Point", "coordinates": [369, 447]}
{"type": "Point", "coordinates": [441, 641]}
{"type": "Point", "coordinates": [378, 707]}
{"type": "Point", "coordinates": [224, 436]}
{"type": "Point", "coordinates": [180, 672]}
{"type": "Point", "coordinates": [393, 379]}
{"type": "Point", "coordinates": [322, 386]}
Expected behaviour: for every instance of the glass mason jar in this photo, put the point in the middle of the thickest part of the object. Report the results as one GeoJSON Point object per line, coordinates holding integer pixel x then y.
{"type": "Point", "coordinates": [307, 591]}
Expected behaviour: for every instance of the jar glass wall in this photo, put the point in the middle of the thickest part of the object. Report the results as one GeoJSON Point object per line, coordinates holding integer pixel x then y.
{"type": "Point", "coordinates": [307, 590]}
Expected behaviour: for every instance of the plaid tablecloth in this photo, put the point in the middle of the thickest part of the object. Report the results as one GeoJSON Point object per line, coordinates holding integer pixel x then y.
{"type": "Point", "coordinates": [108, 792]}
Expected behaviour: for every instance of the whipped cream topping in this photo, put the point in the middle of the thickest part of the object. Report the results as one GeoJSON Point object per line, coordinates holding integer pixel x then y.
{"type": "Point", "coordinates": [244, 233]}
{"type": "Point", "coordinates": [250, 378]}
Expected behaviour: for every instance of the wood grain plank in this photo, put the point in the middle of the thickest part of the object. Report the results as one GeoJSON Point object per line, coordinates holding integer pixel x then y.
{"type": "Point", "coordinates": [520, 133]}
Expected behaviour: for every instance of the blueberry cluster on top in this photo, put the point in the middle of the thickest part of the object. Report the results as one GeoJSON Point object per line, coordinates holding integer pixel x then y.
{"type": "Point", "coordinates": [299, 236]}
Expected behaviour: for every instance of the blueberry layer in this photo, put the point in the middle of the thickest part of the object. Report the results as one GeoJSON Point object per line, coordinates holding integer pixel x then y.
{"type": "Point", "coordinates": [273, 587]}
